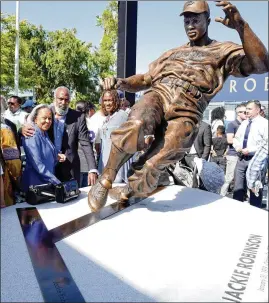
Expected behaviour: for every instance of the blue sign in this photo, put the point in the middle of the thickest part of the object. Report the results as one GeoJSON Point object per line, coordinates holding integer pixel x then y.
{"type": "Point", "coordinates": [244, 89]}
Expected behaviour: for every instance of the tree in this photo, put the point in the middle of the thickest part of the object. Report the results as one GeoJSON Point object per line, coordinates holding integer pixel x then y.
{"type": "Point", "coordinates": [106, 55]}
{"type": "Point", "coordinates": [68, 61]}
{"type": "Point", "coordinates": [47, 60]}
{"type": "Point", "coordinates": [55, 58]}
{"type": "Point", "coordinates": [27, 71]}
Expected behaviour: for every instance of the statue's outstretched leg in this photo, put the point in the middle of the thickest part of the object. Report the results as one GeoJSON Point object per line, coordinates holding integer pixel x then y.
{"type": "Point", "coordinates": [179, 137]}
{"type": "Point", "coordinates": [145, 116]}
{"type": "Point", "coordinates": [122, 193]}
{"type": "Point", "coordinates": [98, 194]}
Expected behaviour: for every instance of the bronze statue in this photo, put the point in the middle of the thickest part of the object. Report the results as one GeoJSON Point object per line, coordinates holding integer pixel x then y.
{"type": "Point", "coordinates": [180, 85]}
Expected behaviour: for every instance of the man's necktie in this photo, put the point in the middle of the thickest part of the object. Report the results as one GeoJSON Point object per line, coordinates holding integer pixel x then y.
{"type": "Point", "coordinates": [246, 134]}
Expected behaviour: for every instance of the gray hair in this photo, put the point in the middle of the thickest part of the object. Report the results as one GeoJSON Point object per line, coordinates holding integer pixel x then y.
{"type": "Point", "coordinates": [61, 87]}
{"type": "Point", "coordinates": [32, 116]}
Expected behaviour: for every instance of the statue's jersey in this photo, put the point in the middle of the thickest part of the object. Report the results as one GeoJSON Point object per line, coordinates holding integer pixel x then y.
{"type": "Point", "coordinates": [205, 67]}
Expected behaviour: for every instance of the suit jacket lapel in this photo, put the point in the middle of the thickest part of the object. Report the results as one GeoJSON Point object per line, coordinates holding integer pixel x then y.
{"type": "Point", "coordinates": [69, 123]}
{"type": "Point", "coordinates": [68, 128]}
{"type": "Point", "coordinates": [51, 129]}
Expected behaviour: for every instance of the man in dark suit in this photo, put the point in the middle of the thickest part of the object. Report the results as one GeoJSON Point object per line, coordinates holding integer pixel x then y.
{"type": "Point", "coordinates": [68, 129]}
{"type": "Point", "coordinates": [201, 146]}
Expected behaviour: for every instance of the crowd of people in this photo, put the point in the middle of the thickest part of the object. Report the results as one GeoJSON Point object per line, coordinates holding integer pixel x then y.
{"type": "Point", "coordinates": [241, 152]}
{"type": "Point", "coordinates": [58, 143]}
{"type": "Point", "coordinates": [162, 128]}
{"type": "Point", "coordinates": [61, 144]}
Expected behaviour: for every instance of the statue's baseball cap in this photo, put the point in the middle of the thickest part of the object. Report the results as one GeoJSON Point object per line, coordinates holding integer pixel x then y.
{"type": "Point", "coordinates": [196, 7]}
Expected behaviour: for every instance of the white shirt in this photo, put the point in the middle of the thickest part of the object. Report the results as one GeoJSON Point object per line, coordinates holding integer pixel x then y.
{"type": "Point", "coordinates": [258, 134]}
{"type": "Point", "coordinates": [192, 150]}
{"type": "Point", "coordinates": [18, 118]}
{"type": "Point", "coordinates": [94, 125]}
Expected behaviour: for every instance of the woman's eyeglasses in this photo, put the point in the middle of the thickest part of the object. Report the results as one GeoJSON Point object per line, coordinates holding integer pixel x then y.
{"type": "Point", "coordinates": [242, 112]}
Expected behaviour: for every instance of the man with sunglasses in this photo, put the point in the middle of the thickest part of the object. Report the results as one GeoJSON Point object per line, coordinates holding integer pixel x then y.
{"type": "Point", "coordinates": [14, 113]}
{"type": "Point", "coordinates": [231, 156]}
{"type": "Point", "coordinates": [250, 136]}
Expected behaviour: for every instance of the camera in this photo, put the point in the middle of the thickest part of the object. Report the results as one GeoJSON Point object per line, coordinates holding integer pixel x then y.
{"type": "Point", "coordinates": [66, 191]}
{"type": "Point", "coordinates": [61, 193]}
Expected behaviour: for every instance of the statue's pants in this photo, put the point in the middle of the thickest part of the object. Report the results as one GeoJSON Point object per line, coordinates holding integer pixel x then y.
{"type": "Point", "coordinates": [172, 139]}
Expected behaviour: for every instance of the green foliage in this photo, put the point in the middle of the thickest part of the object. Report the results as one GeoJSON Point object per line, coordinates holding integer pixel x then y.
{"type": "Point", "coordinates": [106, 54]}
{"type": "Point", "coordinates": [27, 71]}
{"type": "Point", "coordinates": [54, 58]}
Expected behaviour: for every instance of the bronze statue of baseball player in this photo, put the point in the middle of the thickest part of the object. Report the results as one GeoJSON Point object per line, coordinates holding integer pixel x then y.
{"type": "Point", "coordinates": [179, 84]}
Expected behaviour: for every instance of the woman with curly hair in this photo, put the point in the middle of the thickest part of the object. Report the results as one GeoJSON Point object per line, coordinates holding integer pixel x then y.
{"type": "Point", "coordinates": [114, 117]}
{"type": "Point", "coordinates": [217, 119]}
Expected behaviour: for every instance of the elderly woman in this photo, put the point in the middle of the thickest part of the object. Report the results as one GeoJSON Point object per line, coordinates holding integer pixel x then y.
{"type": "Point", "coordinates": [110, 104]}
{"type": "Point", "coordinates": [41, 156]}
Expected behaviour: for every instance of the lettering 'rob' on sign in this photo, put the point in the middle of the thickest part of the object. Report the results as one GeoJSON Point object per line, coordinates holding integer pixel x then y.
{"type": "Point", "coordinates": [243, 89]}
{"type": "Point", "coordinates": [241, 274]}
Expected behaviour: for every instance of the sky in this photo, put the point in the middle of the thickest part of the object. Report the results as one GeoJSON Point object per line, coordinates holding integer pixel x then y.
{"type": "Point", "coordinates": [159, 26]}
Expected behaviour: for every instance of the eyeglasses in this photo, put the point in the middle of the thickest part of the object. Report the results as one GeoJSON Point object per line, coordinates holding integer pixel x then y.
{"type": "Point", "coordinates": [10, 103]}
{"type": "Point", "coordinates": [242, 112]}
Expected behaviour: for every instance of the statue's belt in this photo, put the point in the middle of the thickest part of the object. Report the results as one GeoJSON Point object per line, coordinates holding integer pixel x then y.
{"type": "Point", "coordinates": [193, 90]}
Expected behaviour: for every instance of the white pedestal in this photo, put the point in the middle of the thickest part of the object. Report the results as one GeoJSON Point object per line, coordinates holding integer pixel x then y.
{"type": "Point", "coordinates": [179, 245]}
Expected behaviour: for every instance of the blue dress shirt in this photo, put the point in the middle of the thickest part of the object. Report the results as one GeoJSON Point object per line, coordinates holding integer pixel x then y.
{"type": "Point", "coordinates": [41, 158]}
{"type": "Point", "coordinates": [58, 130]}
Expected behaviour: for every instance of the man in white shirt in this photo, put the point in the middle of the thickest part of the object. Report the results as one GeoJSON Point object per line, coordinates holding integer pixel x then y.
{"type": "Point", "coordinates": [249, 137]}
{"type": "Point", "coordinates": [14, 113]}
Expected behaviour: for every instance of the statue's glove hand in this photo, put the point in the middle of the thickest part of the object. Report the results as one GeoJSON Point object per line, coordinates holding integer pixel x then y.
{"type": "Point", "coordinates": [109, 83]}
{"type": "Point", "coordinates": [232, 17]}
{"type": "Point", "coordinates": [121, 84]}
{"type": "Point", "coordinates": [113, 83]}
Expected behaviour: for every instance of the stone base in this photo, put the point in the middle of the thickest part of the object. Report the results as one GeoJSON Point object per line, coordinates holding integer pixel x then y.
{"type": "Point", "coordinates": [179, 245]}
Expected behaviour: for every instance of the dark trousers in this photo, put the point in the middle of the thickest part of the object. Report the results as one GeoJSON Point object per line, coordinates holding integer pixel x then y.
{"type": "Point", "coordinates": [84, 179]}
{"type": "Point", "coordinates": [240, 184]}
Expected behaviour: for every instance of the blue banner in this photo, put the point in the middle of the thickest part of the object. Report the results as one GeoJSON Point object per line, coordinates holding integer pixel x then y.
{"type": "Point", "coordinates": [244, 89]}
